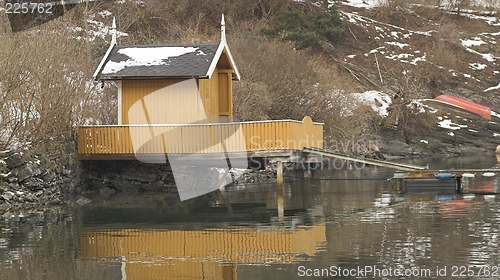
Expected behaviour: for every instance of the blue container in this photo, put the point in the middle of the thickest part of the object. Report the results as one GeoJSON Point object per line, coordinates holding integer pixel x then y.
{"type": "Point", "coordinates": [445, 175]}
{"type": "Point", "coordinates": [443, 196]}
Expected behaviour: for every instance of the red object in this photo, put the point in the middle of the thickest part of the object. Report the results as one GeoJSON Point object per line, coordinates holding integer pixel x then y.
{"type": "Point", "coordinates": [468, 105]}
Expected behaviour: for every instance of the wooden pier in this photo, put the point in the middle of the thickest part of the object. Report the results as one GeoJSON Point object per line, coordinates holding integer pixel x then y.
{"type": "Point", "coordinates": [413, 178]}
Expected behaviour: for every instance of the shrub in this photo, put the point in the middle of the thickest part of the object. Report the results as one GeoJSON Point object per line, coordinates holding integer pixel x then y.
{"type": "Point", "coordinates": [306, 29]}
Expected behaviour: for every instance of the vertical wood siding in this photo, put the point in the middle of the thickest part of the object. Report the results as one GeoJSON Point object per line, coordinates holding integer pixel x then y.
{"type": "Point", "coordinates": [177, 104]}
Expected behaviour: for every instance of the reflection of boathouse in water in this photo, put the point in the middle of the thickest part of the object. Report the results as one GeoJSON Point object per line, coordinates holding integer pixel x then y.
{"type": "Point", "coordinates": [198, 254]}
{"type": "Point", "coordinates": [144, 240]}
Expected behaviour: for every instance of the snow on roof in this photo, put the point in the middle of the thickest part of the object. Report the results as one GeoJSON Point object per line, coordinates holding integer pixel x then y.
{"type": "Point", "coordinates": [146, 56]}
{"type": "Point", "coordinates": [162, 61]}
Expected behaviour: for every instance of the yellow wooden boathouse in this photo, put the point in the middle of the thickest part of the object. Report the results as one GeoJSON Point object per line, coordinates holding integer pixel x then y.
{"type": "Point", "coordinates": [177, 99]}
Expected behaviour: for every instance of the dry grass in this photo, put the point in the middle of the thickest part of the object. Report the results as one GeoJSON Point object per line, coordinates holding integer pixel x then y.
{"type": "Point", "coordinates": [45, 89]}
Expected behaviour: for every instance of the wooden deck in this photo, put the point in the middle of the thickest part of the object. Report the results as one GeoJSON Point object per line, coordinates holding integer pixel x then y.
{"type": "Point", "coordinates": [199, 138]}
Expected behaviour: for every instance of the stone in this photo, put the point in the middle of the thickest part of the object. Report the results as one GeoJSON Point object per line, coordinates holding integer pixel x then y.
{"type": "Point", "coordinates": [49, 177]}
{"type": "Point", "coordinates": [12, 180]}
{"type": "Point", "coordinates": [106, 192]}
{"type": "Point", "coordinates": [26, 171]}
{"type": "Point", "coordinates": [15, 160]}
{"type": "Point", "coordinates": [83, 201]}
{"type": "Point", "coordinates": [7, 196]}
{"type": "Point", "coordinates": [497, 151]}
{"type": "Point", "coordinates": [34, 184]}
{"type": "Point", "coordinates": [111, 175]}
{"type": "Point", "coordinates": [138, 177]}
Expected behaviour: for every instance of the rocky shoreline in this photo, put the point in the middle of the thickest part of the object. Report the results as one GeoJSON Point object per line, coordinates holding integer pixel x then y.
{"type": "Point", "coordinates": [38, 176]}
{"type": "Point", "coordinates": [50, 174]}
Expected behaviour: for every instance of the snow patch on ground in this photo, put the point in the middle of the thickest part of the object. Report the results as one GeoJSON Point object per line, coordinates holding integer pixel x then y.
{"type": "Point", "coordinates": [105, 13]}
{"type": "Point", "coordinates": [417, 104]}
{"type": "Point", "coordinates": [495, 114]}
{"type": "Point", "coordinates": [397, 44]}
{"type": "Point", "coordinates": [377, 100]}
{"type": "Point", "coordinates": [477, 66]}
{"type": "Point", "coordinates": [448, 124]}
{"type": "Point", "coordinates": [476, 41]}
{"type": "Point", "coordinates": [367, 4]}
{"type": "Point", "coordinates": [492, 88]}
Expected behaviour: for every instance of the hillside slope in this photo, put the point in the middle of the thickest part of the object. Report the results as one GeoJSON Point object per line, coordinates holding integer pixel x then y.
{"type": "Point", "coordinates": [362, 86]}
{"type": "Point", "coordinates": [422, 53]}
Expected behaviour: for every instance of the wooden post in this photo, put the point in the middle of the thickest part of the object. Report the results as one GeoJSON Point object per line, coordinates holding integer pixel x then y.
{"type": "Point", "coordinates": [279, 174]}
{"type": "Point", "coordinates": [401, 183]}
{"type": "Point", "coordinates": [307, 171]}
{"type": "Point", "coordinates": [458, 186]}
{"type": "Point", "coordinates": [279, 191]}
{"type": "Point", "coordinates": [281, 206]}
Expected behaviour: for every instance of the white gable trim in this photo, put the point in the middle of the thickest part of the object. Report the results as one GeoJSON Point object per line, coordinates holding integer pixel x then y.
{"type": "Point", "coordinates": [238, 77]}
{"type": "Point", "coordinates": [216, 58]}
{"type": "Point", "coordinates": [103, 61]}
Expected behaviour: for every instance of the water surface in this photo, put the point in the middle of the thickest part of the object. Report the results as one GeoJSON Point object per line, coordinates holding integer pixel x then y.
{"type": "Point", "coordinates": [314, 227]}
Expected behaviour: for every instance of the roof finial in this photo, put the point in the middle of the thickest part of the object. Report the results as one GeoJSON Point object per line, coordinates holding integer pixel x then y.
{"type": "Point", "coordinates": [223, 29]}
{"type": "Point", "coordinates": [113, 32]}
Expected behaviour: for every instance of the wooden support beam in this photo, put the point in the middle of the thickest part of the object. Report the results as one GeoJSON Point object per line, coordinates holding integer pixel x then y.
{"type": "Point", "coordinates": [279, 174]}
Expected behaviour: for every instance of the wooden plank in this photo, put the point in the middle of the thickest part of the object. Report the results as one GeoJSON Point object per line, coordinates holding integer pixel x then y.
{"type": "Point", "coordinates": [125, 131]}
{"type": "Point", "coordinates": [279, 135]}
{"type": "Point", "coordinates": [405, 167]}
{"type": "Point", "coordinates": [122, 140]}
{"type": "Point", "coordinates": [94, 139]}
{"type": "Point", "coordinates": [108, 139]}
{"type": "Point", "coordinates": [287, 135]}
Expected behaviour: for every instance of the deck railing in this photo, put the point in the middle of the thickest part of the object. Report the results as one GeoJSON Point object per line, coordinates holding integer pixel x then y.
{"type": "Point", "coordinates": [200, 138]}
